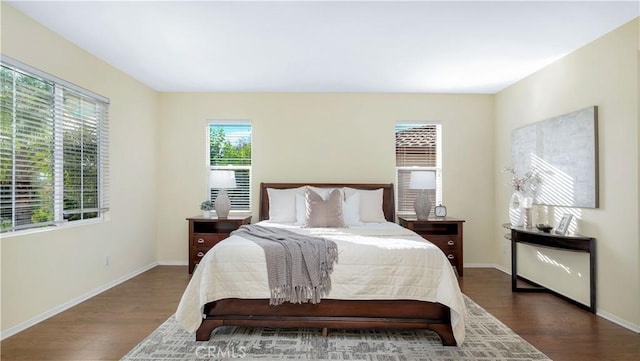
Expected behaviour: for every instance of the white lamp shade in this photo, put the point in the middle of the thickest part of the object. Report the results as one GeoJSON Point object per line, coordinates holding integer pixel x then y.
{"type": "Point", "coordinates": [222, 179]}
{"type": "Point", "coordinates": [422, 179]}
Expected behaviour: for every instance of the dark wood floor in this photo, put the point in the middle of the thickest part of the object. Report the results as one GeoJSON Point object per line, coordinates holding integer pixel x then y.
{"type": "Point", "coordinates": [107, 326]}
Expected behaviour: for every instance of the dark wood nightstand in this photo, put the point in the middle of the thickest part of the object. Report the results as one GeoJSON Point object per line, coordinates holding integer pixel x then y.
{"type": "Point", "coordinates": [204, 233]}
{"type": "Point", "coordinates": [446, 233]}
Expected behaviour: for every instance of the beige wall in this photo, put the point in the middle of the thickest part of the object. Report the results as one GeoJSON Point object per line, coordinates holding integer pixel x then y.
{"type": "Point", "coordinates": [603, 73]}
{"type": "Point", "coordinates": [638, 142]}
{"type": "Point", "coordinates": [158, 170]}
{"type": "Point", "coordinates": [43, 270]}
{"type": "Point", "coordinates": [326, 138]}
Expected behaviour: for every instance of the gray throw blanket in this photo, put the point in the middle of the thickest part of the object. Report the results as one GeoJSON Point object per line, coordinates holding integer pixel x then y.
{"type": "Point", "coordinates": [298, 266]}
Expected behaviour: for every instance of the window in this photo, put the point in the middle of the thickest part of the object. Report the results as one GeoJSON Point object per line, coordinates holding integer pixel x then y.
{"type": "Point", "coordinates": [418, 147]}
{"type": "Point", "coordinates": [230, 149]}
{"type": "Point", "coordinates": [53, 150]}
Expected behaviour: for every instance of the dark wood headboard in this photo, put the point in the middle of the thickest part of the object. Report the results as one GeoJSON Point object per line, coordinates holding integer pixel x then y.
{"type": "Point", "coordinates": [388, 203]}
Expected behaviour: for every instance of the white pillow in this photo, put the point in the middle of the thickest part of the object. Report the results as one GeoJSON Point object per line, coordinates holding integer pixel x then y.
{"type": "Point", "coordinates": [370, 204]}
{"type": "Point", "coordinates": [301, 209]}
{"type": "Point", "coordinates": [282, 204]}
{"type": "Point", "coordinates": [351, 209]}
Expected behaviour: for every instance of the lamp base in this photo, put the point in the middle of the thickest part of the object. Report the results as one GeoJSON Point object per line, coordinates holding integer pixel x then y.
{"type": "Point", "coordinates": [222, 204]}
{"type": "Point", "coordinates": [422, 206]}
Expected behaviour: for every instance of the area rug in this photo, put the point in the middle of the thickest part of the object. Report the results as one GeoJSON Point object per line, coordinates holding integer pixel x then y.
{"type": "Point", "coordinates": [486, 339]}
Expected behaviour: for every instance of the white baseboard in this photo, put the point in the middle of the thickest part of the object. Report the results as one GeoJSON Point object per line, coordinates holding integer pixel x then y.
{"type": "Point", "coordinates": [617, 320]}
{"type": "Point", "coordinates": [54, 311]}
{"type": "Point", "coordinates": [65, 306]}
{"type": "Point", "coordinates": [606, 315]}
{"type": "Point", "coordinates": [173, 263]}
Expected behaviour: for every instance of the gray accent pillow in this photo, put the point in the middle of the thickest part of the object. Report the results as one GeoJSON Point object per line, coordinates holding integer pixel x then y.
{"type": "Point", "coordinates": [324, 213]}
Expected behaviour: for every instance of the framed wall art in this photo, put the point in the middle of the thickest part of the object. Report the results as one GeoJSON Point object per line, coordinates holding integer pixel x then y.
{"type": "Point", "coordinates": [563, 152]}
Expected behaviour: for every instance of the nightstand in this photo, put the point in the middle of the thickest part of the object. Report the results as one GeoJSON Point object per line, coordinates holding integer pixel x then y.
{"type": "Point", "coordinates": [446, 233]}
{"type": "Point", "coordinates": [204, 233]}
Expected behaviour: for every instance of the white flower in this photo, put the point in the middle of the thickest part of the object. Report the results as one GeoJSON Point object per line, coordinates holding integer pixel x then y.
{"type": "Point", "coordinates": [526, 183]}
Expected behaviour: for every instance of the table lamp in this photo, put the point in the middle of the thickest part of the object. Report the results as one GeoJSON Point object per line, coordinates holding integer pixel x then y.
{"type": "Point", "coordinates": [422, 180]}
{"type": "Point", "coordinates": [222, 180]}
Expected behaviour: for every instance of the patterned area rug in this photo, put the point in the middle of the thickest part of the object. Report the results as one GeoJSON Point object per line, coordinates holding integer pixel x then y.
{"type": "Point", "coordinates": [486, 339]}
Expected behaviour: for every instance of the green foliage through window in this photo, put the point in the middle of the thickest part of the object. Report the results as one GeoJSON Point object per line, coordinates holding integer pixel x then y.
{"type": "Point", "coordinates": [52, 151]}
{"type": "Point", "coordinates": [230, 144]}
{"type": "Point", "coordinates": [230, 148]}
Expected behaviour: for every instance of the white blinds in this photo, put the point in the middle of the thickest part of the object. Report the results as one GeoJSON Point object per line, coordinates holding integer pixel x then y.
{"type": "Point", "coordinates": [417, 148]}
{"type": "Point", "coordinates": [230, 148]}
{"type": "Point", "coordinates": [82, 152]}
{"type": "Point", "coordinates": [53, 150]}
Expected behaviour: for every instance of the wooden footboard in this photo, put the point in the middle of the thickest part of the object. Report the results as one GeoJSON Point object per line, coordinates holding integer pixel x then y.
{"type": "Point", "coordinates": [397, 314]}
{"type": "Point", "coordinates": [329, 313]}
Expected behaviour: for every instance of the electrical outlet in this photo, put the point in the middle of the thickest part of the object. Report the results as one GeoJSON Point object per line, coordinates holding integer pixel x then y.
{"type": "Point", "coordinates": [107, 260]}
{"type": "Point", "coordinates": [505, 249]}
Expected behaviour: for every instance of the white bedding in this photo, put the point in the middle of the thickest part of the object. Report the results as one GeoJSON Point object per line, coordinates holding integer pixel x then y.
{"type": "Point", "coordinates": [377, 261]}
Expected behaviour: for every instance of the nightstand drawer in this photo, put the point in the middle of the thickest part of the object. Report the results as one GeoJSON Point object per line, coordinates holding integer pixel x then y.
{"type": "Point", "coordinates": [207, 240]}
{"type": "Point", "coordinates": [446, 233]}
{"type": "Point", "coordinates": [205, 233]}
{"type": "Point", "coordinates": [444, 243]}
{"type": "Point", "coordinates": [448, 245]}
{"type": "Point", "coordinates": [452, 257]}
{"type": "Point", "coordinates": [198, 253]}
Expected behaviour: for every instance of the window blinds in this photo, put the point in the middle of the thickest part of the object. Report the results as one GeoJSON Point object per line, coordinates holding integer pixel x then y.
{"type": "Point", "coordinates": [83, 152]}
{"type": "Point", "coordinates": [230, 148]}
{"type": "Point", "coordinates": [417, 148]}
{"type": "Point", "coordinates": [53, 150]}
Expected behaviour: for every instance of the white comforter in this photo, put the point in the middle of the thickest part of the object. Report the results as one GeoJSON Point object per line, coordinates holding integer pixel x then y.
{"type": "Point", "coordinates": [376, 262]}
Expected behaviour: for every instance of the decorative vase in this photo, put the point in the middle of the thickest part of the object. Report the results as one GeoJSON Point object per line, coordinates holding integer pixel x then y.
{"type": "Point", "coordinates": [206, 214]}
{"type": "Point", "coordinates": [527, 216]}
{"type": "Point", "coordinates": [516, 209]}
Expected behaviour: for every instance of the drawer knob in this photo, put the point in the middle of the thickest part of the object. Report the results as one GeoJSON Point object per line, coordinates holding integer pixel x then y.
{"type": "Point", "coordinates": [200, 240]}
{"type": "Point", "coordinates": [200, 254]}
{"type": "Point", "coordinates": [451, 243]}
{"type": "Point", "coordinates": [450, 256]}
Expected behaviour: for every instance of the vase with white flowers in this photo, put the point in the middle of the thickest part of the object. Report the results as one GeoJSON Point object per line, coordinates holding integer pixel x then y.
{"type": "Point", "coordinates": [206, 208]}
{"type": "Point", "coordinates": [521, 201]}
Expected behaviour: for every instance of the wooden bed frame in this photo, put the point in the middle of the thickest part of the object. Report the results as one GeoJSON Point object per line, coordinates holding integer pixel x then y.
{"type": "Point", "coordinates": [330, 313]}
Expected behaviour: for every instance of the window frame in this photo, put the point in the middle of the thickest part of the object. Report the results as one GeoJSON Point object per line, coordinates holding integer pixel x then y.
{"type": "Point", "coordinates": [211, 193]}
{"type": "Point", "coordinates": [437, 168]}
{"type": "Point", "coordinates": [61, 90]}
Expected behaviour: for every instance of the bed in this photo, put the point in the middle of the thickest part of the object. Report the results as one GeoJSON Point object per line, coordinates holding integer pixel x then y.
{"type": "Point", "coordinates": [428, 297]}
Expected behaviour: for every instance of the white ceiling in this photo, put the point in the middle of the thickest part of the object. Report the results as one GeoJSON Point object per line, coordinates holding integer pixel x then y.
{"type": "Point", "coordinates": [330, 46]}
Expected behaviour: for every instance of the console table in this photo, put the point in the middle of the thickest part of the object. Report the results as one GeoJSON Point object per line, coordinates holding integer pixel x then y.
{"type": "Point", "coordinates": [571, 242]}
